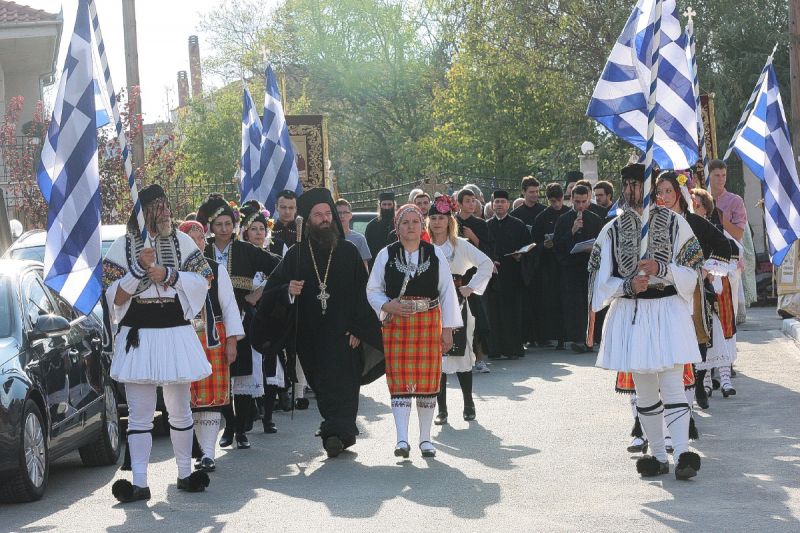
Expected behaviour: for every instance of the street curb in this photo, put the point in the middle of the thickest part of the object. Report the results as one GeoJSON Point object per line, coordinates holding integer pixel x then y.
{"type": "Point", "coordinates": [791, 328]}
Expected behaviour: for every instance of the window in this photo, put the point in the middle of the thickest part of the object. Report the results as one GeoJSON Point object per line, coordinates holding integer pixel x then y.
{"type": "Point", "coordinates": [34, 298]}
{"type": "Point", "coordinates": [64, 308]}
{"type": "Point", "coordinates": [6, 310]}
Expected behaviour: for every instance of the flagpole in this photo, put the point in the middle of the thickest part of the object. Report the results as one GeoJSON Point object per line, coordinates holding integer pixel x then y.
{"type": "Point", "coordinates": [701, 128]}
{"type": "Point", "coordinates": [750, 104]}
{"type": "Point", "coordinates": [121, 138]}
{"type": "Point", "coordinates": [651, 123]}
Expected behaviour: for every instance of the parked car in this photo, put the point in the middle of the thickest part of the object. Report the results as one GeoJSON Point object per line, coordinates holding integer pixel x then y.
{"type": "Point", "coordinates": [55, 392]}
{"type": "Point", "coordinates": [360, 220]}
{"type": "Point", "coordinates": [30, 246]}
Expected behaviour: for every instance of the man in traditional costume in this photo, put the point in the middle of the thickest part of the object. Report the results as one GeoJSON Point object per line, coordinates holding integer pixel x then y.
{"type": "Point", "coordinates": [320, 287]}
{"type": "Point", "coordinates": [379, 228]}
{"type": "Point", "coordinates": [648, 329]}
{"type": "Point", "coordinates": [153, 290]}
{"type": "Point", "coordinates": [548, 311]}
{"type": "Point", "coordinates": [576, 226]}
{"type": "Point", "coordinates": [243, 263]}
{"type": "Point", "coordinates": [411, 290]}
{"type": "Point", "coordinates": [507, 288]}
{"type": "Point", "coordinates": [219, 328]}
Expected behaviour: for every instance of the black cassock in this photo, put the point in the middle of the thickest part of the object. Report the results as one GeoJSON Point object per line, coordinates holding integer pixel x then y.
{"type": "Point", "coordinates": [333, 369]}
{"type": "Point", "coordinates": [548, 310]}
{"type": "Point", "coordinates": [530, 275]}
{"type": "Point", "coordinates": [575, 273]}
{"type": "Point", "coordinates": [506, 289]}
{"type": "Point", "coordinates": [377, 235]}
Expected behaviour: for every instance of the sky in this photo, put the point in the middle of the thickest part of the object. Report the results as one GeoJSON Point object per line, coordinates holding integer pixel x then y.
{"type": "Point", "coordinates": [163, 30]}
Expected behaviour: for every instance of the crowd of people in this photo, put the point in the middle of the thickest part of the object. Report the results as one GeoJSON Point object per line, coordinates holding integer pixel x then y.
{"type": "Point", "coordinates": [235, 314]}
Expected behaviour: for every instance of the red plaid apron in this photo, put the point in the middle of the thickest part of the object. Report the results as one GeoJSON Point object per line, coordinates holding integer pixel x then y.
{"type": "Point", "coordinates": [413, 349]}
{"type": "Point", "coordinates": [214, 390]}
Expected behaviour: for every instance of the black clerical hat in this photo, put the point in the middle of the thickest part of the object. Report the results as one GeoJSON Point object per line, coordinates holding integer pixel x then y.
{"type": "Point", "coordinates": [316, 196]}
{"type": "Point", "coordinates": [500, 194]}
{"type": "Point", "coordinates": [634, 171]}
{"type": "Point", "coordinates": [386, 197]}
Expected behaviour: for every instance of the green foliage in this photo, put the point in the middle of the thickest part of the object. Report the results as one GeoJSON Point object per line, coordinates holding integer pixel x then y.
{"type": "Point", "coordinates": [467, 89]}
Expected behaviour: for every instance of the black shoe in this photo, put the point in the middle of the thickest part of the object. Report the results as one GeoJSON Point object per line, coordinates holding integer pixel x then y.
{"type": "Point", "coordinates": [206, 464]}
{"type": "Point", "coordinates": [226, 439]}
{"type": "Point", "coordinates": [403, 449]}
{"type": "Point", "coordinates": [242, 441]}
{"type": "Point", "coordinates": [649, 466]}
{"type": "Point", "coordinates": [701, 396]}
{"type": "Point", "coordinates": [730, 391]}
{"type": "Point", "coordinates": [688, 466]}
{"type": "Point", "coordinates": [427, 452]}
{"type": "Point", "coordinates": [441, 418]}
{"type": "Point", "coordinates": [301, 404]}
{"type": "Point", "coordinates": [580, 347]}
{"type": "Point", "coordinates": [269, 427]}
{"type": "Point", "coordinates": [197, 482]}
{"type": "Point", "coordinates": [469, 413]}
{"type": "Point", "coordinates": [125, 492]}
{"type": "Point", "coordinates": [638, 448]}
{"type": "Point", "coordinates": [333, 445]}
{"type": "Point", "coordinates": [284, 402]}
{"type": "Point", "coordinates": [560, 345]}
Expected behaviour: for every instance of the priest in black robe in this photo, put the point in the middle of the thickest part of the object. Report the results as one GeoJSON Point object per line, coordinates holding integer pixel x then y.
{"type": "Point", "coordinates": [576, 226]}
{"type": "Point", "coordinates": [379, 228]}
{"type": "Point", "coordinates": [548, 311]}
{"type": "Point", "coordinates": [527, 212]}
{"type": "Point", "coordinates": [320, 286]}
{"type": "Point", "coordinates": [508, 234]}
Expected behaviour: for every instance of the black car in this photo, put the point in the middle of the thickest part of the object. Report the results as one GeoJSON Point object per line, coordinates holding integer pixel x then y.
{"type": "Point", "coordinates": [55, 392]}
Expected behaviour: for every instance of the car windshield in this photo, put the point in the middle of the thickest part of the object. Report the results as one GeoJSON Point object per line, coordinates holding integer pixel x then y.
{"type": "Point", "coordinates": [6, 311]}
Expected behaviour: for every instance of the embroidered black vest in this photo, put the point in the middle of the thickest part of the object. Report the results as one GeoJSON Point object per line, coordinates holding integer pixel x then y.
{"type": "Point", "coordinates": [626, 238]}
{"type": "Point", "coordinates": [425, 280]}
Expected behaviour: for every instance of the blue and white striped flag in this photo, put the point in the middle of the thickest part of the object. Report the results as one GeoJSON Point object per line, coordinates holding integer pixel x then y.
{"type": "Point", "coordinates": [278, 163]}
{"type": "Point", "coordinates": [69, 178]}
{"type": "Point", "coordinates": [250, 171]}
{"type": "Point", "coordinates": [620, 98]}
{"type": "Point", "coordinates": [765, 146]}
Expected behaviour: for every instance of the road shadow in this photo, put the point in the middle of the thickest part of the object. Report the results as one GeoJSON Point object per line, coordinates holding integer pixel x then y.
{"type": "Point", "coordinates": [750, 445]}
{"type": "Point", "coordinates": [479, 444]}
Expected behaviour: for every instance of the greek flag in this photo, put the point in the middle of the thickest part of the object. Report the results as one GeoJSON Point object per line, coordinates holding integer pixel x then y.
{"type": "Point", "coordinates": [620, 98]}
{"type": "Point", "coordinates": [69, 179]}
{"type": "Point", "coordinates": [278, 165]}
{"type": "Point", "coordinates": [765, 146]}
{"type": "Point", "coordinates": [250, 163]}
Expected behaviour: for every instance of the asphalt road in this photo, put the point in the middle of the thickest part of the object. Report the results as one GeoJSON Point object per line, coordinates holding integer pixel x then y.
{"type": "Point", "coordinates": [547, 453]}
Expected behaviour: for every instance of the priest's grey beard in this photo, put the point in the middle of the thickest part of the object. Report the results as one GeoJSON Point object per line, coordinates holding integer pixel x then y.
{"type": "Point", "coordinates": [325, 238]}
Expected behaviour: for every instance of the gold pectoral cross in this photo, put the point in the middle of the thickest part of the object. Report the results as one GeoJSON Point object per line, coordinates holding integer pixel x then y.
{"type": "Point", "coordinates": [323, 297]}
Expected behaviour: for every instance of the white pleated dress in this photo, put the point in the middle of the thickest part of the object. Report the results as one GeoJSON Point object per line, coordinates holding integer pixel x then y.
{"type": "Point", "coordinates": [663, 334]}
{"type": "Point", "coordinates": [164, 355]}
{"type": "Point", "coordinates": [463, 257]}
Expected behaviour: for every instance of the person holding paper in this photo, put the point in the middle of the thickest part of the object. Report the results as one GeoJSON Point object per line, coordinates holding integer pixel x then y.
{"type": "Point", "coordinates": [578, 226]}
{"type": "Point", "coordinates": [508, 235]}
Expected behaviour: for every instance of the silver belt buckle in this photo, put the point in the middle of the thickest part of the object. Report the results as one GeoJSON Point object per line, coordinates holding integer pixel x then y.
{"type": "Point", "coordinates": [420, 306]}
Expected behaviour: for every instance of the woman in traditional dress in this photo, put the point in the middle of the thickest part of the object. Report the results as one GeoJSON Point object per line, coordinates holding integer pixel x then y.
{"type": "Point", "coordinates": [412, 291]}
{"type": "Point", "coordinates": [242, 261]}
{"type": "Point", "coordinates": [219, 328]}
{"type": "Point", "coordinates": [721, 353]}
{"type": "Point", "coordinates": [471, 270]}
{"type": "Point", "coordinates": [255, 228]}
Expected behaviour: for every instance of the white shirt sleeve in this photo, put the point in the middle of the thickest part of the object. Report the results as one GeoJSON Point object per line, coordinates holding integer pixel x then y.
{"type": "Point", "coordinates": [128, 283]}
{"type": "Point", "coordinates": [376, 285]}
{"type": "Point", "coordinates": [448, 300]}
{"type": "Point", "coordinates": [192, 289]}
{"type": "Point", "coordinates": [227, 301]}
{"type": "Point", "coordinates": [606, 287]}
{"type": "Point", "coordinates": [482, 262]}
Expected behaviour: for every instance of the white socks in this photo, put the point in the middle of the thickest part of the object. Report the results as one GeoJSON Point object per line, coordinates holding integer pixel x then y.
{"type": "Point", "coordinates": [206, 428]}
{"type": "Point", "coordinates": [426, 407]}
{"type": "Point", "coordinates": [725, 377]}
{"type": "Point", "coordinates": [401, 409]}
{"type": "Point", "coordinates": [139, 445]}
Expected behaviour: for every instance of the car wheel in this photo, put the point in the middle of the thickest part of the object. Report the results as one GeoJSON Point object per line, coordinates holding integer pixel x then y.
{"type": "Point", "coordinates": [104, 450]}
{"type": "Point", "coordinates": [30, 481]}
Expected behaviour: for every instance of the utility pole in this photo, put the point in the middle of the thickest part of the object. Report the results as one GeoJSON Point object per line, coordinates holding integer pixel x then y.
{"type": "Point", "coordinates": [794, 72]}
{"type": "Point", "coordinates": [132, 76]}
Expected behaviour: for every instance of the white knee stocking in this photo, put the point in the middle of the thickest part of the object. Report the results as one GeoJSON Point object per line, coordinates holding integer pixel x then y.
{"type": "Point", "coordinates": [401, 409]}
{"type": "Point", "coordinates": [206, 427]}
{"type": "Point", "coordinates": [177, 401]}
{"type": "Point", "coordinates": [426, 406]}
{"type": "Point", "coordinates": [141, 407]}
{"type": "Point", "coordinates": [725, 377]}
